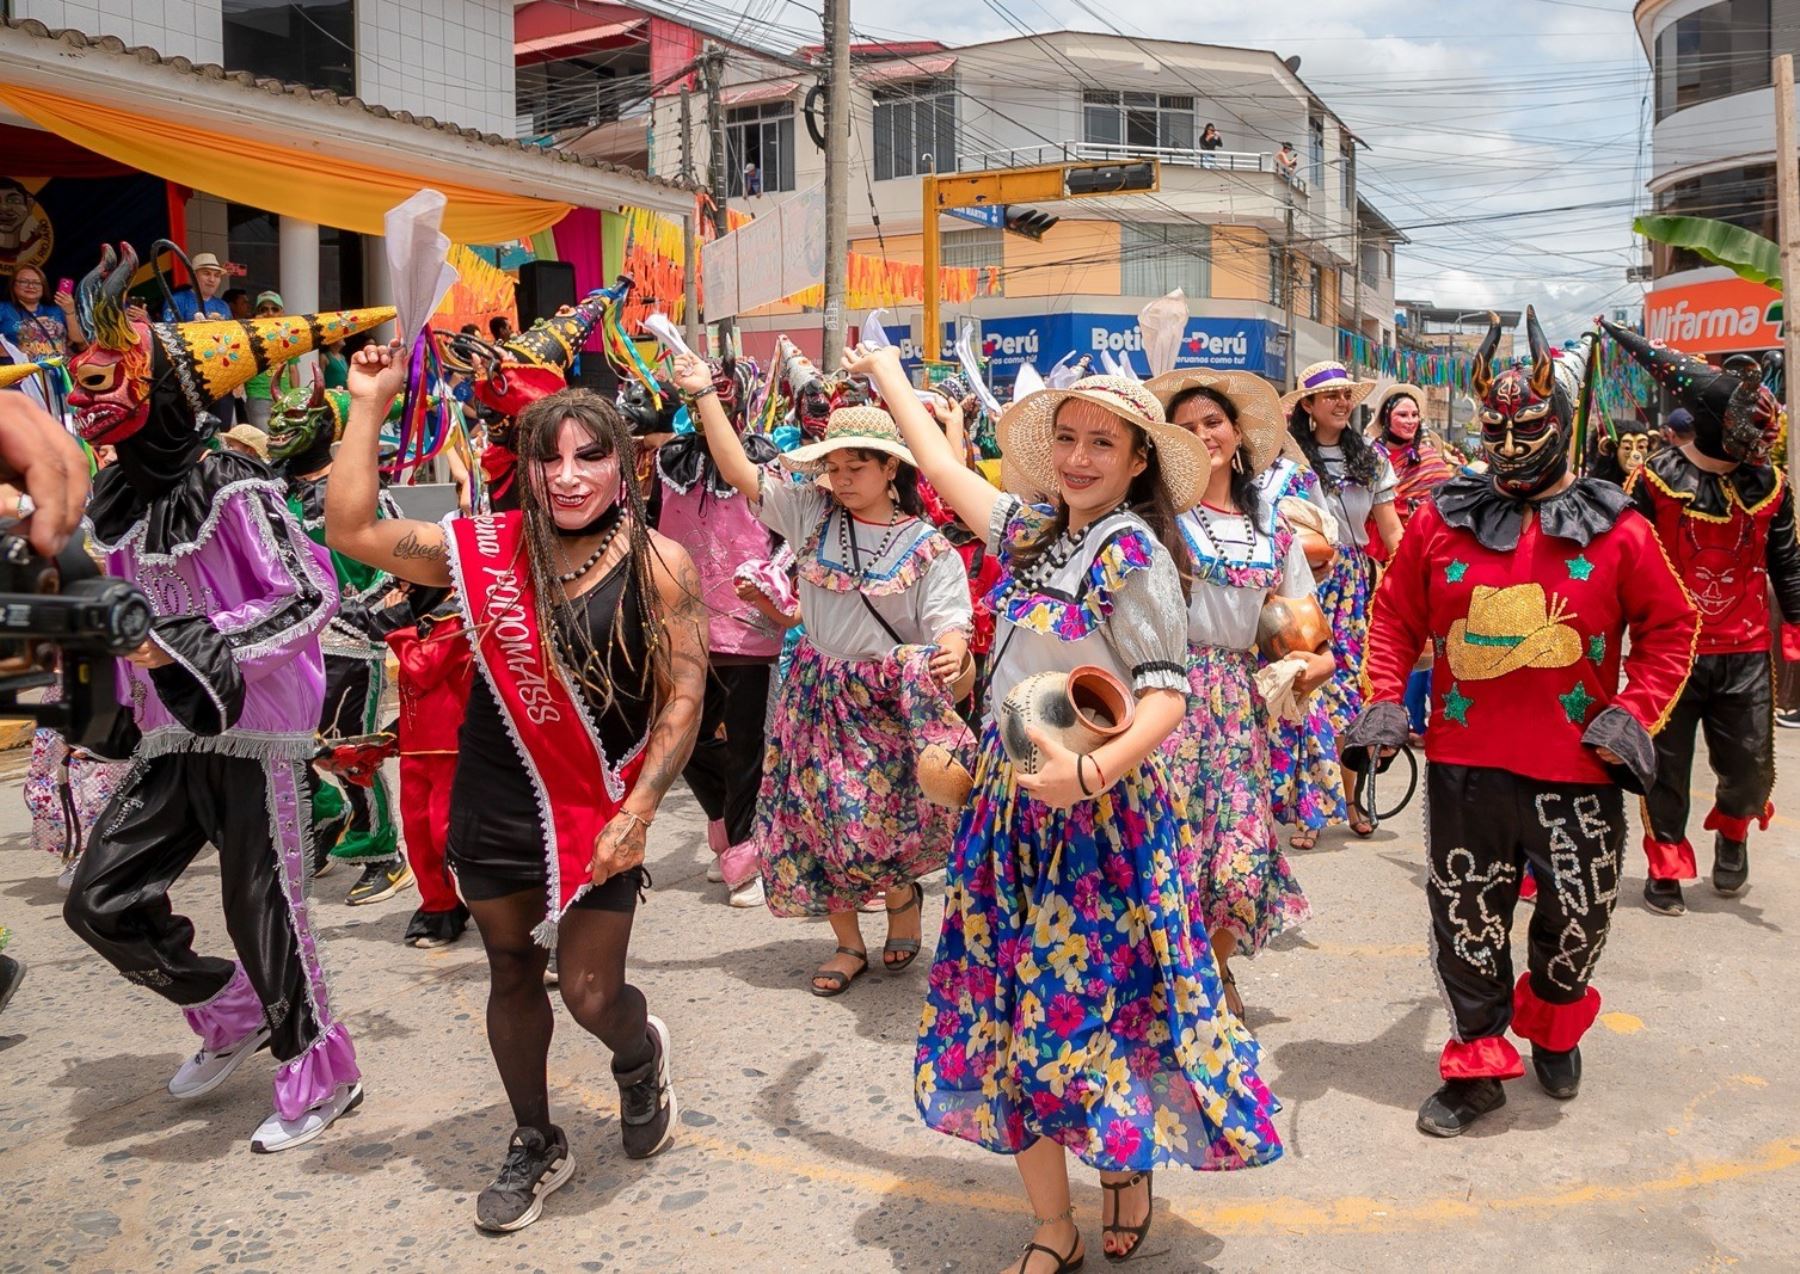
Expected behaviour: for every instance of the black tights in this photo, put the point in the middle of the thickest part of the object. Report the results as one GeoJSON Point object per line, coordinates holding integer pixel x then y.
{"type": "Point", "coordinates": [590, 959]}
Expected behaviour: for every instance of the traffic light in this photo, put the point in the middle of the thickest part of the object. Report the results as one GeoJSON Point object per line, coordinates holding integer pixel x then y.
{"type": "Point", "coordinates": [1107, 179]}
{"type": "Point", "coordinates": [1029, 222]}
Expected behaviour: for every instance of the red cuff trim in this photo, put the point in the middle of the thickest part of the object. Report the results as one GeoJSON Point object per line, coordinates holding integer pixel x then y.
{"type": "Point", "coordinates": [1671, 860]}
{"type": "Point", "coordinates": [1735, 827]}
{"type": "Point", "coordinates": [1528, 888]}
{"type": "Point", "coordinates": [1557, 1027]}
{"type": "Point", "coordinates": [1491, 1058]}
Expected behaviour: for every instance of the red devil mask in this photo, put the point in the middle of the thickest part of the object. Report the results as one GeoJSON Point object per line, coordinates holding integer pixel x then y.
{"type": "Point", "coordinates": [1524, 416]}
{"type": "Point", "coordinates": [111, 391]}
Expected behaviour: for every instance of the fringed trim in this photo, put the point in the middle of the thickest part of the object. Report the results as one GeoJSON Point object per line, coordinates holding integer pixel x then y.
{"type": "Point", "coordinates": [249, 745]}
{"type": "Point", "coordinates": [1127, 553]}
{"type": "Point", "coordinates": [1671, 860]}
{"type": "Point", "coordinates": [1734, 827]}
{"type": "Point", "coordinates": [221, 499]}
{"type": "Point", "coordinates": [836, 577]}
{"type": "Point", "coordinates": [1555, 1027]}
{"type": "Point", "coordinates": [182, 661]}
{"type": "Point", "coordinates": [1490, 1058]}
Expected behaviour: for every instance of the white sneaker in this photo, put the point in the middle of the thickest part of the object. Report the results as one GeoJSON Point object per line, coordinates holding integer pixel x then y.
{"type": "Point", "coordinates": [275, 1133]}
{"type": "Point", "coordinates": [206, 1070]}
{"type": "Point", "coordinates": [715, 874]}
{"type": "Point", "coordinates": [748, 894]}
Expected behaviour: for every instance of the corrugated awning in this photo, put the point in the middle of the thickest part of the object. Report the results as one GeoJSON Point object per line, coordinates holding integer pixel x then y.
{"type": "Point", "coordinates": [902, 69]}
{"type": "Point", "coordinates": [752, 93]}
{"type": "Point", "coordinates": [576, 42]}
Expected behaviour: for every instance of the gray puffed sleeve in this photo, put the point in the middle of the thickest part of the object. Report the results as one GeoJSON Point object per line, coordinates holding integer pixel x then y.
{"type": "Point", "coordinates": [789, 503]}
{"type": "Point", "coordinates": [1011, 519]}
{"type": "Point", "coordinates": [1148, 626]}
{"type": "Point", "coordinates": [944, 592]}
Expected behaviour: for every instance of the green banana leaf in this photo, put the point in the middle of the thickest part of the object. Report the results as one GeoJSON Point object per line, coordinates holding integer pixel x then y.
{"type": "Point", "coordinates": [1743, 252]}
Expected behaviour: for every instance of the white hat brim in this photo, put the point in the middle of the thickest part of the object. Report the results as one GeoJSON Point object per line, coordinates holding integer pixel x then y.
{"type": "Point", "coordinates": [1259, 416]}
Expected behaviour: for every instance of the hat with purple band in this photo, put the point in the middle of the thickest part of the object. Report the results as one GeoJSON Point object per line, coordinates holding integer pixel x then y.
{"type": "Point", "coordinates": [1322, 377]}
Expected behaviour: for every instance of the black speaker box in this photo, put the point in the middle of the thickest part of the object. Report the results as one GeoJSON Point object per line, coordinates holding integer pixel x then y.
{"type": "Point", "coordinates": [544, 288]}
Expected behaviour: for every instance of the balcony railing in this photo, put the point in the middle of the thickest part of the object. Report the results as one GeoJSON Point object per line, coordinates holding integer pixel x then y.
{"type": "Point", "coordinates": [1237, 161]}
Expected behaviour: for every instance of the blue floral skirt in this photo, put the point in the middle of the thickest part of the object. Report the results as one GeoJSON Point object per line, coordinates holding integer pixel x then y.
{"type": "Point", "coordinates": [1074, 998]}
{"type": "Point", "coordinates": [1344, 597]}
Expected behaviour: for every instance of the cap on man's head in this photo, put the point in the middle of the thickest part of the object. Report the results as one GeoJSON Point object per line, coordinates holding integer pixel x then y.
{"type": "Point", "coordinates": [206, 261]}
{"type": "Point", "coordinates": [270, 297]}
{"type": "Point", "coordinates": [1679, 421]}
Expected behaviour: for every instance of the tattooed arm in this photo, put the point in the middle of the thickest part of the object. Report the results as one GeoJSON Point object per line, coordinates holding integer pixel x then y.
{"type": "Point", "coordinates": [412, 550]}
{"type": "Point", "coordinates": [677, 724]}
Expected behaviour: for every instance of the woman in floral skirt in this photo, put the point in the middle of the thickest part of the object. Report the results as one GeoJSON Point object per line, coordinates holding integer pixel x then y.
{"type": "Point", "coordinates": [1356, 486]}
{"type": "Point", "coordinates": [1073, 1007]}
{"type": "Point", "coordinates": [1218, 757]}
{"type": "Point", "coordinates": [840, 820]}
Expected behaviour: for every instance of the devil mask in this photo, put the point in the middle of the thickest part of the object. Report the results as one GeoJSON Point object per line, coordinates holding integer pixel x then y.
{"type": "Point", "coordinates": [304, 424]}
{"type": "Point", "coordinates": [1524, 416]}
{"type": "Point", "coordinates": [1736, 417]}
{"type": "Point", "coordinates": [111, 389]}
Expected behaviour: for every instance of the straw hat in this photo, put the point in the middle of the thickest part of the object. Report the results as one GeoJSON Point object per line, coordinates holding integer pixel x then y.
{"type": "Point", "coordinates": [1024, 433]}
{"type": "Point", "coordinates": [1397, 390]}
{"type": "Point", "coordinates": [251, 437]}
{"type": "Point", "coordinates": [1259, 417]}
{"type": "Point", "coordinates": [1323, 376]}
{"type": "Point", "coordinates": [864, 428]}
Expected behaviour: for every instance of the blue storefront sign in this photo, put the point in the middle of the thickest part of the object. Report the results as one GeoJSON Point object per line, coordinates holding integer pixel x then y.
{"type": "Point", "coordinates": [1228, 344]}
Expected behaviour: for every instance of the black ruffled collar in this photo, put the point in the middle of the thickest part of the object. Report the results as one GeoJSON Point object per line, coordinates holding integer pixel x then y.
{"type": "Point", "coordinates": [1586, 509]}
{"type": "Point", "coordinates": [175, 514]}
{"type": "Point", "coordinates": [684, 460]}
{"type": "Point", "coordinates": [1711, 494]}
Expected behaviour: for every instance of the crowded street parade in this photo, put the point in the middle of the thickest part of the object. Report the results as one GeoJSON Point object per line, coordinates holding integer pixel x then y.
{"type": "Point", "coordinates": [578, 682]}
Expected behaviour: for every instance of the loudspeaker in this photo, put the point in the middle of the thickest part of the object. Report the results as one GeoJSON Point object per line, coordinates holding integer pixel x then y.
{"type": "Point", "coordinates": [544, 287]}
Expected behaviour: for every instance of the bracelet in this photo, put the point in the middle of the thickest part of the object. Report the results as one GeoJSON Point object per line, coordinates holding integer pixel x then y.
{"type": "Point", "coordinates": [691, 399]}
{"type": "Point", "coordinates": [643, 823]}
{"type": "Point", "coordinates": [1081, 775]}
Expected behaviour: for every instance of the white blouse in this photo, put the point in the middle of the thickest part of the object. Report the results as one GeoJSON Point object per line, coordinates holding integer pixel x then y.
{"type": "Point", "coordinates": [1236, 572]}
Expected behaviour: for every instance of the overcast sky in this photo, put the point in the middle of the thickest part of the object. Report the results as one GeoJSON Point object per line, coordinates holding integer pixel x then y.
{"type": "Point", "coordinates": [1473, 114]}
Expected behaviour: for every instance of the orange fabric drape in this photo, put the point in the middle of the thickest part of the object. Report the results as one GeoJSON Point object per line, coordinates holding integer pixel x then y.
{"type": "Point", "coordinates": [291, 182]}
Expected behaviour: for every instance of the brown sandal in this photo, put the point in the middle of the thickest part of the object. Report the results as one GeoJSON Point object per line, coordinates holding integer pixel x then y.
{"type": "Point", "coordinates": [1360, 822]}
{"type": "Point", "coordinates": [1063, 1264]}
{"type": "Point", "coordinates": [840, 981]}
{"type": "Point", "coordinates": [908, 947]}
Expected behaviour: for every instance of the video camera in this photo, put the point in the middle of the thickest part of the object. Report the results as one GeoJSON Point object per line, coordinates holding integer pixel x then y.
{"type": "Point", "coordinates": [65, 613]}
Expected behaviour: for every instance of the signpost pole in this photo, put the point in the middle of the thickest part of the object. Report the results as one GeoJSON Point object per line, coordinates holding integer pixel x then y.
{"type": "Point", "coordinates": [1787, 189]}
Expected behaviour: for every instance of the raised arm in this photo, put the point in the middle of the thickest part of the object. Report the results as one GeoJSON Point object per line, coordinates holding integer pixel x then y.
{"type": "Point", "coordinates": [962, 488]}
{"type": "Point", "coordinates": [411, 549]}
{"type": "Point", "coordinates": [694, 378]}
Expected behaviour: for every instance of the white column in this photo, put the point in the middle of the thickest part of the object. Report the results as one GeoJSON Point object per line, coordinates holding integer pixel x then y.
{"type": "Point", "coordinates": [300, 270]}
{"type": "Point", "coordinates": [378, 282]}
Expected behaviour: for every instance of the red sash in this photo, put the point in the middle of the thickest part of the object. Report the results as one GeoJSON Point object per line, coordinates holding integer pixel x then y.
{"type": "Point", "coordinates": [578, 792]}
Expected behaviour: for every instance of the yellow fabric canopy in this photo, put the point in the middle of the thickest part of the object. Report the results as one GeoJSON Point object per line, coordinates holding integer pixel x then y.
{"type": "Point", "coordinates": [293, 183]}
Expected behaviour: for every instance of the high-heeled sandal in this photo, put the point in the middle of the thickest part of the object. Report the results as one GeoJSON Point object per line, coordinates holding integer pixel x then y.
{"type": "Point", "coordinates": [908, 947]}
{"type": "Point", "coordinates": [1137, 1232]}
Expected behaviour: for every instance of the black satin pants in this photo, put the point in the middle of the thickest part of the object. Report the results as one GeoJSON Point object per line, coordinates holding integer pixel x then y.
{"type": "Point", "coordinates": [726, 771]}
{"type": "Point", "coordinates": [1729, 699]}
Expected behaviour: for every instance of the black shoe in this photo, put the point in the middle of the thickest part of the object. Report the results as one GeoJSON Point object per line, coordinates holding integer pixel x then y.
{"type": "Point", "coordinates": [534, 1167]}
{"type": "Point", "coordinates": [380, 881]}
{"type": "Point", "coordinates": [1664, 897]}
{"type": "Point", "coordinates": [326, 835]}
{"type": "Point", "coordinates": [1731, 865]}
{"type": "Point", "coordinates": [429, 929]}
{"type": "Point", "coordinates": [12, 972]}
{"type": "Point", "coordinates": [1558, 1073]}
{"type": "Point", "coordinates": [1453, 1109]}
{"type": "Point", "coordinates": [647, 1099]}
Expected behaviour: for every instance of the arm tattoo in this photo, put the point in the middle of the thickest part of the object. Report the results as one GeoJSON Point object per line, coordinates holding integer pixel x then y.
{"type": "Point", "coordinates": [411, 546]}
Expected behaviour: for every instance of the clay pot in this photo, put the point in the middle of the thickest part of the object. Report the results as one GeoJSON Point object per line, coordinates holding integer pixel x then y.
{"type": "Point", "coordinates": [943, 779]}
{"type": "Point", "coordinates": [1080, 709]}
{"type": "Point", "coordinates": [1291, 625]}
{"type": "Point", "coordinates": [1320, 552]}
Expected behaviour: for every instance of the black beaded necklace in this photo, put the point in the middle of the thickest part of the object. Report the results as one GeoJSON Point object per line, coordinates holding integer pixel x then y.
{"type": "Point", "coordinates": [606, 539]}
{"type": "Point", "coordinates": [850, 551]}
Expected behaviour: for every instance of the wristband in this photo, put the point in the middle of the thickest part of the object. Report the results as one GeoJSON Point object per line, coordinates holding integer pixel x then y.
{"type": "Point", "coordinates": [691, 399]}
{"type": "Point", "coordinates": [1081, 776]}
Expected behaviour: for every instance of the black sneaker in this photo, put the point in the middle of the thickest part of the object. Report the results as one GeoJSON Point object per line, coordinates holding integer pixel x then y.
{"type": "Point", "coordinates": [1558, 1073]}
{"type": "Point", "coordinates": [534, 1167]}
{"type": "Point", "coordinates": [12, 972]}
{"type": "Point", "coordinates": [379, 882]}
{"type": "Point", "coordinates": [647, 1099]}
{"type": "Point", "coordinates": [429, 929]}
{"type": "Point", "coordinates": [326, 835]}
{"type": "Point", "coordinates": [1788, 719]}
{"type": "Point", "coordinates": [1731, 865]}
{"type": "Point", "coordinates": [1453, 1109]}
{"type": "Point", "coordinates": [1664, 897]}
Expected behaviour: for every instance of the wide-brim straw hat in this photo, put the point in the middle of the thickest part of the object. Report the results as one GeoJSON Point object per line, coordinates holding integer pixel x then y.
{"type": "Point", "coordinates": [864, 428]}
{"type": "Point", "coordinates": [1320, 377]}
{"type": "Point", "coordinates": [1397, 390]}
{"type": "Point", "coordinates": [1024, 433]}
{"type": "Point", "coordinates": [1258, 406]}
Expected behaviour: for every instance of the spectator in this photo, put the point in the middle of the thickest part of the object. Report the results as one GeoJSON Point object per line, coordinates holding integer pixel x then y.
{"type": "Point", "coordinates": [1287, 161]}
{"type": "Point", "coordinates": [500, 327]}
{"type": "Point", "coordinates": [238, 302]}
{"type": "Point", "coordinates": [40, 331]}
{"type": "Point", "coordinates": [202, 299]}
{"type": "Point", "coordinates": [261, 390]}
{"type": "Point", "coordinates": [335, 365]}
{"type": "Point", "coordinates": [1210, 139]}
{"type": "Point", "coordinates": [1678, 426]}
{"type": "Point", "coordinates": [752, 180]}
{"type": "Point", "coordinates": [469, 329]}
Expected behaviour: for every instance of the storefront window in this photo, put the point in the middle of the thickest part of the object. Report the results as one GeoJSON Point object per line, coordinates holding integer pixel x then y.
{"type": "Point", "coordinates": [310, 42]}
{"type": "Point", "coordinates": [1711, 53]}
{"type": "Point", "coordinates": [1743, 196]}
{"type": "Point", "coordinates": [1157, 259]}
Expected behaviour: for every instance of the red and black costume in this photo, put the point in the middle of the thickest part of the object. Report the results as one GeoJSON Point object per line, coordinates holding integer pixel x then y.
{"type": "Point", "coordinates": [1731, 536]}
{"type": "Point", "coordinates": [1526, 598]}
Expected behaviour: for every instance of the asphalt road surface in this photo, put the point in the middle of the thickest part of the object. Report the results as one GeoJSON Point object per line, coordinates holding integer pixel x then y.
{"type": "Point", "coordinates": [799, 1148]}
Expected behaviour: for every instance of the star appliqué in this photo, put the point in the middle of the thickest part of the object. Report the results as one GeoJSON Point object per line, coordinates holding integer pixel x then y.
{"type": "Point", "coordinates": [1454, 572]}
{"type": "Point", "coordinates": [1456, 705]}
{"type": "Point", "coordinates": [1597, 648]}
{"type": "Point", "coordinates": [1576, 703]}
{"type": "Point", "coordinates": [1579, 567]}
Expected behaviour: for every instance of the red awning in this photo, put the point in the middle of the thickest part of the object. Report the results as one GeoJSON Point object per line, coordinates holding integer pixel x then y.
{"type": "Point", "coordinates": [581, 40]}
{"type": "Point", "coordinates": [901, 69]}
{"type": "Point", "coordinates": [752, 93]}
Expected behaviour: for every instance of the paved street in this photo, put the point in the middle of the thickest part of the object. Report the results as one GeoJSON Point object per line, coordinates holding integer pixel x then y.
{"type": "Point", "coordinates": [799, 1148]}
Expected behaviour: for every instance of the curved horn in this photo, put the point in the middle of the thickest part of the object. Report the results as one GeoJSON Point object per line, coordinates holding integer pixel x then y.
{"type": "Point", "coordinates": [1543, 363]}
{"type": "Point", "coordinates": [318, 389]}
{"type": "Point", "coordinates": [120, 278]}
{"type": "Point", "coordinates": [1482, 373]}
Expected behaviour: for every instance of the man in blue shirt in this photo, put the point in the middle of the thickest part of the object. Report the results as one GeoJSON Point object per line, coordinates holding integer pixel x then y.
{"type": "Point", "coordinates": [202, 301]}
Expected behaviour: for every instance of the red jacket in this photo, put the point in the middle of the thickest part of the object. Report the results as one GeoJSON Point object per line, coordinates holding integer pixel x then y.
{"type": "Point", "coordinates": [435, 675]}
{"type": "Point", "coordinates": [1528, 641]}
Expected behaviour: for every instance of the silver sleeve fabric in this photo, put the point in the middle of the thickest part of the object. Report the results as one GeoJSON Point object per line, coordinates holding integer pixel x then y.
{"type": "Point", "coordinates": [1148, 627]}
{"type": "Point", "coordinates": [946, 606]}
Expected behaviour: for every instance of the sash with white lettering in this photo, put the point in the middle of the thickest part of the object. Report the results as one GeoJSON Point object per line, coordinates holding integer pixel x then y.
{"type": "Point", "coordinates": [556, 742]}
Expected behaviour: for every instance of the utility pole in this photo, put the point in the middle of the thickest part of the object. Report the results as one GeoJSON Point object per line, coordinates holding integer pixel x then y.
{"type": "Point", "coordinates": [713, 59]}
{"type": "Point", "coordinates": [837, 175]}
{"type": "Point", "coordinates": [1286, 274]}
{"type": "Point", "coordinates": [690, 238]}
{"type": "Point", "coordinates": [1787, 187]}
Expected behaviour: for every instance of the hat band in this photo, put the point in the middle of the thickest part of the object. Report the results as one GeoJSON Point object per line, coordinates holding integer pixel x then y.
{"type": "Point", "coordinates": [1330, 374]}
{"type": "Point", "coordinates": [1489, 639]}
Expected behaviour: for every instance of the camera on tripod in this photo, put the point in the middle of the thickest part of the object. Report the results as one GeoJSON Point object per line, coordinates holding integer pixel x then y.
{"type": "Point", "coordinates": [62, 613]}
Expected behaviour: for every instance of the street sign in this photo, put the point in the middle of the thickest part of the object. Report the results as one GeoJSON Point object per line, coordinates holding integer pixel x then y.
{"type": "Point", "coordinates": [991, 215]}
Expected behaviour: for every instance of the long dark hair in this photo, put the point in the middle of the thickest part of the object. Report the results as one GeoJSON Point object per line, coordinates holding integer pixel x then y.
{"type": "Point", "coordinates": [1384, 418]}
{"type": "Point", "coordinates": [906, 481]}
{"type": "Point", "coordinates": [535, 436]}
{"type": "Point", "coordinates": [1146, 496]}
{"type": "Point", "coordinates": [1243, 481]}
{"type": "Point", "coordinates": [1361, 464]}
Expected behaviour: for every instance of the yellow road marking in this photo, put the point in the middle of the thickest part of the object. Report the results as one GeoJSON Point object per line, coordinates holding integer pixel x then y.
{"type": "Point", "coordinates": [1622, 1023]}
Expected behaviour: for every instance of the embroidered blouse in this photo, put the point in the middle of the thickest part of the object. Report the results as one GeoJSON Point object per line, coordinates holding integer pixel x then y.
{"type": "Point", "coordinates": [1349, 502]}
{"type": "Point", "coordinates": [909, 573]}
{"type": "Point", "coordinates": [1113, 600]}
{"type": "Point", "coordinates": [1237, 571]}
